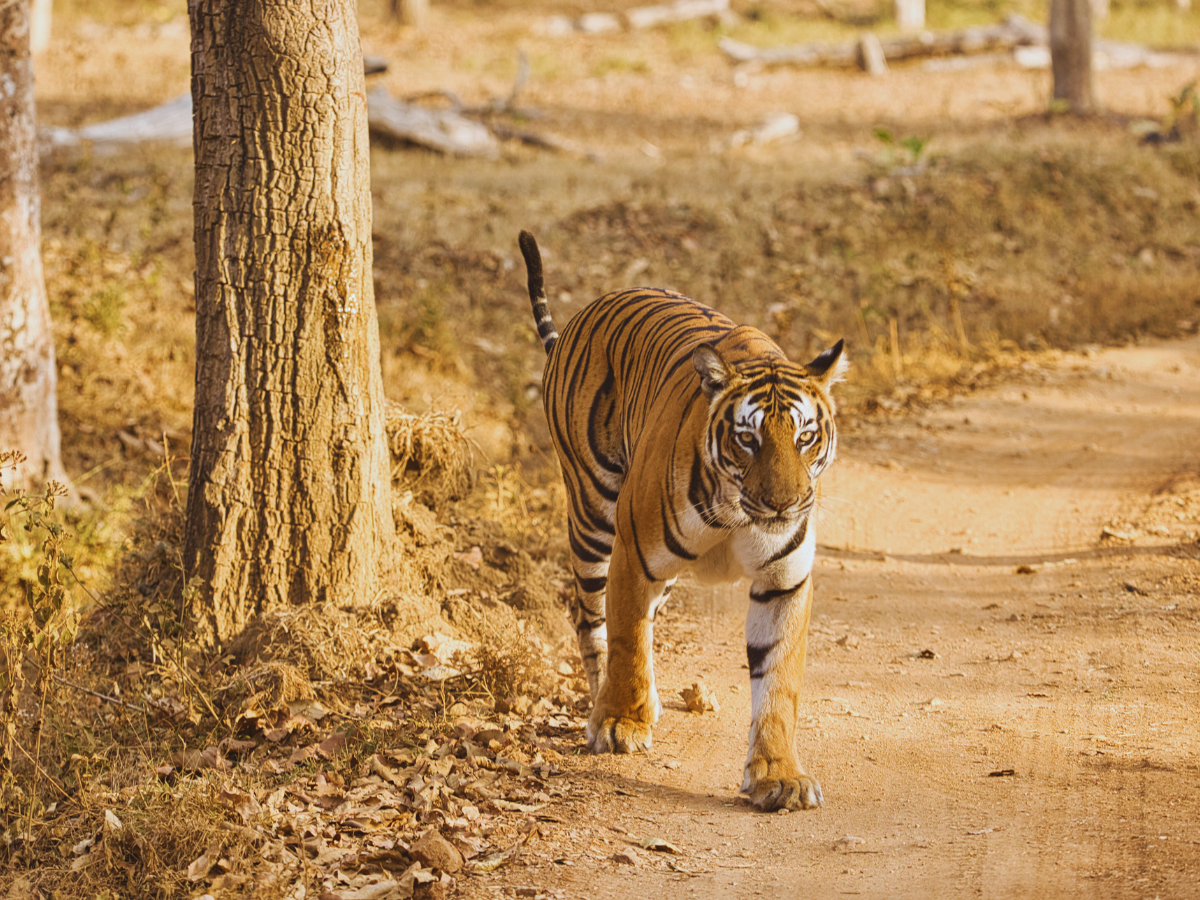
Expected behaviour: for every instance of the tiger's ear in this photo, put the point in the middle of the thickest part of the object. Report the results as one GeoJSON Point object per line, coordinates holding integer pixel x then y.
{"type": "Point", "coordinates": [715, 373]}
{"type": "Point", "coordinates": [830, 367]}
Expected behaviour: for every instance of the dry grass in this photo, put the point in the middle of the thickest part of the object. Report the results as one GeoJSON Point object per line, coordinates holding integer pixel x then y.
{"type": "Point", "coordinates": [508, 665]}
{"type": "Point", "coordinates": [143, 832]}
{"type": "Point", "coordinates": [431, 455]}
{"type": "Point", "coordinates": [1014, 238]}
{"type": "Point", "coordinates": [319, 643]}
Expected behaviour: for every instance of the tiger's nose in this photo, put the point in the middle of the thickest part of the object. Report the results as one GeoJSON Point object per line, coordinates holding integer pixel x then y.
{"type": "Point", "coordinates": [778, 504]}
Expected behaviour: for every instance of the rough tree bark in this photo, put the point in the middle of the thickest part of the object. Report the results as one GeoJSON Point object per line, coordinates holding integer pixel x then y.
{"type": "Point", "coordinates": [289, 494]}
{"type": "Point", "coordinates": [28, 379]}
{"type": "Point", "coordinates": [1071, 53]}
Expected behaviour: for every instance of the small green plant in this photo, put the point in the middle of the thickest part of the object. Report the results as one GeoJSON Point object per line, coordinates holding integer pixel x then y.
{"type": "Point", "coordinates": [1184, 117]}
{"type": "Point", "coordinates": [619, 63]}
{"type": "Point", "coordinates": [105, 310]}
{"type": "Point", "coordinates": [905, 153]}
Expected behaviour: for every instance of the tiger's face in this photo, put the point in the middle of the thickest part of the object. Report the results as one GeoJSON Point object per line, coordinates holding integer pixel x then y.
{"type": "Point", "coordinates": [770, 433]}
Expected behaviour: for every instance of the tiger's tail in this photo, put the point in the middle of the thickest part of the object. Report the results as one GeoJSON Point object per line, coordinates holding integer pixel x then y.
{"type": "Point", "coordinates": [537, 291]}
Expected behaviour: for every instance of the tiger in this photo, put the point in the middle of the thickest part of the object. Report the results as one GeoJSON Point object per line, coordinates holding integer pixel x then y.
{"type": "Point", "coordinates": [687, 441]}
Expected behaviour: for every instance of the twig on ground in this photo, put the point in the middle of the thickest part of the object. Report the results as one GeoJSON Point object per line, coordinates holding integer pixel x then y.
{"type": "Point", "coordinates": [105, 697]}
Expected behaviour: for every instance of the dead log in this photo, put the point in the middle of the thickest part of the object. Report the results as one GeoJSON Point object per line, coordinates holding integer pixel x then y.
{"type": "Point", "coordinates": [679, 11]}
{"type": "Point", "coordinates": [443, 130]}
{"type": "Point", "coordinates": [170, 122]}
{"type": "Point", "coordinates": [453, 131]}
{"type": "Point", "coordinates": [637, 18]}
{"type": "Point", "coordinates": [1014, 31]}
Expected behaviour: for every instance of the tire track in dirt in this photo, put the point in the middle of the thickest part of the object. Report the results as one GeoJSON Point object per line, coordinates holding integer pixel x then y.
{"type": "Point", "coordinates": [1079, 676]}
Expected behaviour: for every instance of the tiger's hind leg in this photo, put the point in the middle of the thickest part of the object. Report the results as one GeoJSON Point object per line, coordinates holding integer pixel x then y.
{"type": "Point", "coordinates": [590, 552]}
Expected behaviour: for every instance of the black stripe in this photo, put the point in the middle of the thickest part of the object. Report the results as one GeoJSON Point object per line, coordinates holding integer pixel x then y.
{"type": "Point", "coordinates": [637, 545]}
{"type": "Point", "coordinates": [591, 585]}
{"type": "Point", "coordinates": [583, 552]}
{"type": "Point", "coordinates": [669, 539]}
{"type": "Point", "coordinates": [613, 466]}
{"type": "Point", "coordinates": [699, 494]}
{"type": "Point", "coordinates": [796, 541]}
{"type": "Point", "coordinates": [756, 657]}
{"type": "Point", "coordinates": [768, 596]}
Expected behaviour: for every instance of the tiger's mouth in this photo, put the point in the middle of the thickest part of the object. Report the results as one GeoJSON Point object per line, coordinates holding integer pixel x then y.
{"type": "Point", "coordinates": [772, 519]}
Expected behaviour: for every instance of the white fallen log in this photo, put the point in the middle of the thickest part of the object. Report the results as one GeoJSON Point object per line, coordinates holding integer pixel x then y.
{"type": "Point", "coordinates": [634, 19]}
{"type": "Point", "coordinates": [775, 127]}
{"type": "Point", "coordinates": [170, 122]}
{"type": "Point", "coordinates": [1014, 31]}
{"type": "Point", "coordinates": [679, 11]}
{"type": "Point", "coordinates": [444, 130]}
{"type": "Point", "coordinates": [1106, 56]}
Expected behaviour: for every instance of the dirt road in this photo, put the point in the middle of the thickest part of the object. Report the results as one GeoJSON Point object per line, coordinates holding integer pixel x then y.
{"type": "Point", "coordinates": [1002, 700]}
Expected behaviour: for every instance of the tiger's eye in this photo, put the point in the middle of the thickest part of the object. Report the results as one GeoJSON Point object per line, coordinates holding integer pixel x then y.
{"type": "Point", "coordinates": [807, 437]}
{"type": "Point", "coordinates": [746, 439]}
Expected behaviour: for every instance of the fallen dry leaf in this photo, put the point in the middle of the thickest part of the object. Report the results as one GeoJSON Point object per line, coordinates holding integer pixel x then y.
{"type": "Point", "coordinates": [199, 868]}
{"type": "Point", "coordinates": [699, 699]}
{"type": "Point", "coordinates": [493, 861]}
{"type": "Point", "coordinates": [659, 845]}
{"type": "Point", "coordinates": [847, 842]}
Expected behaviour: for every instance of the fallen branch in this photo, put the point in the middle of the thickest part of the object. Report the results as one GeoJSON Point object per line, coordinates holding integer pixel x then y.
{"type": "Point", "coordinates": [454, 130]}
{"type": "Point", "coordinates": [1014, 31]}
{"type": "Point", "coordinates": [170, 122]}
{"type": "Point", "coordinates": [105, 697]}
{"type": "Point", "coordinates": [636, 19]}
{"type": "Point", "coordinates": [444, 130]}
{"type": "Point", "coordinates": [542, 141]}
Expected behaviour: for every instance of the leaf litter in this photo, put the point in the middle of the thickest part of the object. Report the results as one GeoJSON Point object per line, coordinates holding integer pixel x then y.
{"type": "Point", "coordinates": [390, 787]}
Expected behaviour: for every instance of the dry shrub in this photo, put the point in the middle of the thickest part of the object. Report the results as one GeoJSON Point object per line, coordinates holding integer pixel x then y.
{"type": "Point", "coordinates": [431, 455]}
{"type": "Point", "coordinates": [323, 643]}
{"type": "Point", "coordinates": [262, 687]}
{"type": "Point", "coordinates": [509, 665]}
{"type": "Point", "coordinates": [144, 836]}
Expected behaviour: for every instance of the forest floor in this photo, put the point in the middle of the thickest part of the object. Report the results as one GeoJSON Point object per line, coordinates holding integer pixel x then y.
{"type": "Point", "coordinates": [1002, 691]}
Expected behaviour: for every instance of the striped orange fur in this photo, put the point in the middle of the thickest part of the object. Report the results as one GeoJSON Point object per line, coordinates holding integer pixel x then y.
{"type": "Point", "coordinates": [687, 441]}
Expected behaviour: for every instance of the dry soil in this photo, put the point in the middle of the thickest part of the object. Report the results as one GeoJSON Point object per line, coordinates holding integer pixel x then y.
{"type": "Point", "coordinates": [1002, 683]}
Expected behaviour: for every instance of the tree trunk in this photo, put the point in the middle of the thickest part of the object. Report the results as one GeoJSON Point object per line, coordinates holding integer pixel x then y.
{"type": "Point", "coordinates": [910, 14]}
{"type": "Point", "coordinates": [1071, 53]}
{"type": "Point", "coordinates": [28, 379]}
{"type": "Point", "coordinates": [41, 14]}
{"type": "Point", "coordinates": [289, 495]}
{"type": "Point", "coordinates": [412, 13]}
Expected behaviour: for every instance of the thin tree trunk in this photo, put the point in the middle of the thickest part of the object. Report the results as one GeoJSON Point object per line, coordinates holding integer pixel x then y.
{"type": "Point", "coordinates": [28, 378]}
{"type": "Point", "coordinates": [41, 15]}
{"type": "Point", "coordinates": [910, 14]}
{"type": "Point", "coordinates": [1071, 53]}
{"type": "Point", "coordinates": [412, 13]}
{"type": "Point", "coordinates": [289, 495]}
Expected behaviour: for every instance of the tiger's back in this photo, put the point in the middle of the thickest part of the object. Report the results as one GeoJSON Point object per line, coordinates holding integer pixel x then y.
{"type": "Point", "coordinates": [686, 440]}
{"type": "Point", "coordinates": [618, 361]}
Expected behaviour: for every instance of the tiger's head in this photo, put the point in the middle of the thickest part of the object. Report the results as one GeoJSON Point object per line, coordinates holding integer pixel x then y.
{"type": "Point", "coordinates": [770, 432]}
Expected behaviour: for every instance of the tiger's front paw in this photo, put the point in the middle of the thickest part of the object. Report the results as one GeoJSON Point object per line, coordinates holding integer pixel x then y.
{"type": "Point", "coordinates": [617, 734]}
{"type": "Point", "coordinates": [780, 786]}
